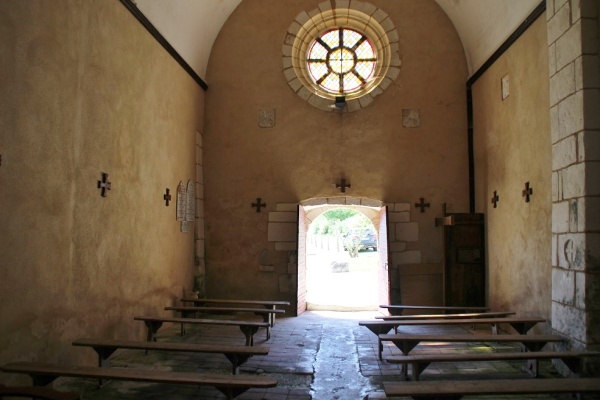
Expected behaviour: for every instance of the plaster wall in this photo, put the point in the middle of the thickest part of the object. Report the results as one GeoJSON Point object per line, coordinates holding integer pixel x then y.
{"type": "Point", "coordinates": [308, 150]}
{"type": "Point", "coordinates": [85, 90]}
{"type": "Point", "coordinates": [513, 146]}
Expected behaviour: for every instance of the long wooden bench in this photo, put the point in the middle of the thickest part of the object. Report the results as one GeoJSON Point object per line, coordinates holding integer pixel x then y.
{"type": "Point", "coordinates": [572, 359]}
{"type": "Point", "coordinates": [408, 341]}
{"type": "Point", "coordinates": [398, 309]}
{"type": "Point", "coordinates": [455, 390]}
{"type": "Point", "coordinates": [237, 355]}
{"type": "Point", "coordinates": [520, 324]}
{"type": "Point", "coordinates": [266, 313]}
{"type": "Point", "coordinates": [490, 314]}
{"type": "Point", "coordinates": [248, 328]}
{"type": "Point", "coordinates": [269, 304]}
{"type": "Point", "coordinates": [230, 385]}
{"type": "Point", "coordinates": [36, 392]}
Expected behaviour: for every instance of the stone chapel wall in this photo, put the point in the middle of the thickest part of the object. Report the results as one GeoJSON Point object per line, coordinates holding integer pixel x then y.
{"type": "Point", "coordinates": [512, 147]}
{"type": "Point", "coordinates": [410, 142]}
{"type": "Point", "coordinates": [86, 90]}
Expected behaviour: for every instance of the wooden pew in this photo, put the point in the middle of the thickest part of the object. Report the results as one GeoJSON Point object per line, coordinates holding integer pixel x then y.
{"type": "Point", "coordinates": [248, 328]}
{"type": "Point", "coordinates": [572, 359]}
{"type": "Point", "coordinates": [520, 324]}
{"type": "Point", "coordinates": [230, 385]}
{"type": "Point", "coordinates": [398, 309]}
{"type": "Point", "coordinates": [38, 393]}
{"type": "Point", "coordinates": [490, 314]}
{"type": "Point", "coordinates": [237, 355]}
{"type": "Point", "coordinates": [267, 314]}
{"type": "Point", "coordinates": [408, 341]}
{"type": "Point", "coordinates": [455, 390]}
{"type": "Point", "coordinates": [268, 304]}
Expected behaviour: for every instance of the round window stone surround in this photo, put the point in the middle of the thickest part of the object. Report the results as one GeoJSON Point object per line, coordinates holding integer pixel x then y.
{"type": "Point", "coordinates": [358, 15]}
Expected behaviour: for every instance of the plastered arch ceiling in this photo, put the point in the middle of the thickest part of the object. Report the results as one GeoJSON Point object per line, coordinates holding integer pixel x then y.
{"type": "Point", "coordinates": [191, 26]}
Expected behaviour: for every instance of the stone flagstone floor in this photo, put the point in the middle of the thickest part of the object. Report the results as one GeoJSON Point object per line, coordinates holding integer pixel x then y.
{"type": "Point", "coordinates": [319, 355]}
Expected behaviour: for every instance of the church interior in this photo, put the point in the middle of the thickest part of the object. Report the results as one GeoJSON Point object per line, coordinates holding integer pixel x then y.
{"type": "Point", "coordinates": [152, 150]}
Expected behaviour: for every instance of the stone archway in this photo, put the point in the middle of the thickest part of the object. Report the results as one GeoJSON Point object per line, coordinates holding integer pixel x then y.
{"type": "Point", "coordinates": [309, 210]}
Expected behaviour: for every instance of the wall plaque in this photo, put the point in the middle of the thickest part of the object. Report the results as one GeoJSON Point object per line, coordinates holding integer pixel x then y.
{"type": "Point", "coordinates": [190, 209]}
{"type": "Point", "coordinates": [266, 117]}
{"type": "Point", "coordinates": [181, 201]}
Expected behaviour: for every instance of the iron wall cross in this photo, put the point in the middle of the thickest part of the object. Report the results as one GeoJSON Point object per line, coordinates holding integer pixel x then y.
{"type": "Point", "coordinates": [167, 197]}
{"type": "Point", "coordinates": [258, 204]}
{"type": "Point", "coordinates": [495, 199]}
{"type": "Point", "coordinates": [342, 185]}
{"type": "Point", "coordinates": [422, 204]}
{"type": "Point", "coordinates": [527, 192]}
{"type": "Point", "coordinates": [104, 185]}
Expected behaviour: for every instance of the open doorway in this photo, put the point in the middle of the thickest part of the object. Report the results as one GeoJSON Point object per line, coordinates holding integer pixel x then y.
{"type": "Point", "coordinates": [341, 262]}
{"type": "Point", "coordinates": [342, 257]}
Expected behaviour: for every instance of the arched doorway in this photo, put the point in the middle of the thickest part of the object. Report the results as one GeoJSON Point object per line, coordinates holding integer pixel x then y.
{"type": "Point", "coordinates": [376, 213]}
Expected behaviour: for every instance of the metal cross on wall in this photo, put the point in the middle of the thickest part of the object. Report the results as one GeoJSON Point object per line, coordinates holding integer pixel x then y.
{"type": "Point", "coordinates": [495, 199]}
{"type": "Point", "coordinates": [342, 185]}
{"type": "Point", "coordinates": [258, 204]}
{"type": "Point", "coordinates": [422, 204]}
{"type": "Point", "coordinates": [527, 192]}
{"type": "Point", "coordinates": [104, 185]}
{"type": "Point", "coordinates": [167, 197]}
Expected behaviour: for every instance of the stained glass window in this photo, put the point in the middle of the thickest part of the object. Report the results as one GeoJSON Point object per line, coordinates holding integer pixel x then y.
{"type": "Point", "coordinates": [341, 61]}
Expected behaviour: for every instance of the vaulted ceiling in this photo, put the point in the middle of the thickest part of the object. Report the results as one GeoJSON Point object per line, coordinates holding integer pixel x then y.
{"type": "Point", "coordinates": [191, 26]}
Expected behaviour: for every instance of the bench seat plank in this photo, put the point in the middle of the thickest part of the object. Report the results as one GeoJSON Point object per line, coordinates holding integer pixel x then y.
{"type": "Point", "coordinates": [230, 385]}
{"type": "Point", "coordinates": [237, 355]}
{"type": "Point", "coordinates": [573, 359]}
{"type": "Point", "coordinates": [520, 324]}
{"type": "Point", "coordinates": [248, 328]}
{"type": "Point", "coordinates": [491, 314]}
{"type": "Point", "coordinates": [406, 342]}
{"type": "Point", "coordinates": [398, 309]}
{"type": "Point", "coordinates": [266, 303]}
{"type": "Point", "coordinates": [36, 392]}
{"type": "Point", "coordinates": [190, 311]}
{"type": "Point", "coordinates": [432, 390]}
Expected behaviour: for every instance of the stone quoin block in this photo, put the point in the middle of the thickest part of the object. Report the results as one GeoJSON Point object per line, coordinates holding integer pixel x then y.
{"type": "Point", "coordinates": [407, 231]}
{"type": "Point", "coordinates": [281, 232]}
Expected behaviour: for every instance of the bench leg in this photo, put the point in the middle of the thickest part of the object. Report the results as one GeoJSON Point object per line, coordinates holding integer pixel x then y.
{"type": "Point", "coordinates": [532, 367]}
{"type": "Point", "coordinates": [417, 368]}
{"type": "Point", "coordinates": [231, 392]}
{"type": "Point", "coordinates": [103, 354]}
{"type": "Point", "coordinates": [41, 379]}
{"type": "Point", "coordinates": [236, 360]}
{"type": "Point", "coordinates": [249, 332]}
{"type": "Point", "coordinates": [153, 327]}
{"type": "Point", "coordinates": [271, 316]}
{"type": "Point", "coordinates": [267, 318]}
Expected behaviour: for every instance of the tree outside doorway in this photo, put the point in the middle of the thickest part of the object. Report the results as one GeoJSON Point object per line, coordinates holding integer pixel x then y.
{"type": "Point", "coordinates": [342, 261]}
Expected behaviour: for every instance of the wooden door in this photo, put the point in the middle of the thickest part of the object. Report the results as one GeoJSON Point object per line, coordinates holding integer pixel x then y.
{"type": "Point", "coordinates": [464, 260]}
{"type": "Point", "coordinates": [301, 264]}
{"type": "Point", "coordinates": [383, 269]}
